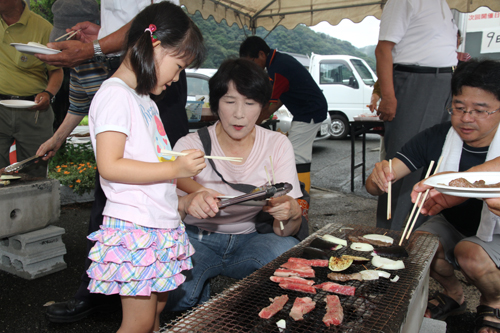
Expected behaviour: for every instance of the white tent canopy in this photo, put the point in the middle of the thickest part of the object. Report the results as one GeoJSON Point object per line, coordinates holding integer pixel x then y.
{"type": "Point", "coordinates": [289, 13]}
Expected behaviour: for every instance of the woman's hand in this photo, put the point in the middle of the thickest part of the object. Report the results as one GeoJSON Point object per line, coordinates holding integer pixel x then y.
{"type": "Point", "coordinates": [191, 164]}
{"type": "Point", "coordinates": [286, 210]}
{"type": "Point", "coordinates": [200, 205]}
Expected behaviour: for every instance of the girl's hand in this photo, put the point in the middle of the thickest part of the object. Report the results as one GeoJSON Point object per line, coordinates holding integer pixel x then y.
{"type": "Point", "coordinates": [191, 164]}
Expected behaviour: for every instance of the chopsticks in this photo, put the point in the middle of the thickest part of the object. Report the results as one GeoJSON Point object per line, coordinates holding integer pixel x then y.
{"type": "Point", "coordinates": [274, 182]}
{"type": "Point", "coordinates": [389, 193]}
{"type": "Point", "coordinates": [223, 158]}
{"type": "Point", "coordinates": [71, 34]}
{"type": "Point", "coordinates": [421, 203]}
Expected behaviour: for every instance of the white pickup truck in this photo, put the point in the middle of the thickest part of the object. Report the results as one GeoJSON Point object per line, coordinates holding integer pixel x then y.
{"type": "Point", "coordinates": [347, 83]}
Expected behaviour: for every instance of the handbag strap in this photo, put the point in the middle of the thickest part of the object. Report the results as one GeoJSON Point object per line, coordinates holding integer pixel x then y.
{"type": "Point", "coordinates": [207, 146]}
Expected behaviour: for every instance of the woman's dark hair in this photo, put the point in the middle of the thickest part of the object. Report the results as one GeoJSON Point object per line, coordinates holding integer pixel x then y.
{"type": "Point", "coordinates": [251, 47]}
{"type": "Point", "coordinates": [484, 74]}
{"type": "Point", "coordinates": [174, 29]}
{"type": "Point", "coordinates": [249, 79]}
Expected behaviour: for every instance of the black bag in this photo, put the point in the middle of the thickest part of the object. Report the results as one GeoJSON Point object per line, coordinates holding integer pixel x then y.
{"type": "Point", "coordinates": [264, 221]}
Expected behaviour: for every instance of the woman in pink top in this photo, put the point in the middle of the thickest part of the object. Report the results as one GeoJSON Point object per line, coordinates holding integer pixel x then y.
{"type": "Point", "coordinates": [234, 243]}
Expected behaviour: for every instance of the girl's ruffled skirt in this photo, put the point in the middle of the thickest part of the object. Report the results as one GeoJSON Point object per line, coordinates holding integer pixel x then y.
{"type": "Point", "coordinates": [132, 260]}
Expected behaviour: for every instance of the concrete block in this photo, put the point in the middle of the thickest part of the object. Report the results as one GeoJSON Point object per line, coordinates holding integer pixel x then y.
{"type": "Point", "coordinates": [28, 206]}
{"type": "Point", "coordinates": [33, 254]}
{"type": "Point", "coordinates": [70, 197]}
{"type": "Point", "coordinates": [433, 326]}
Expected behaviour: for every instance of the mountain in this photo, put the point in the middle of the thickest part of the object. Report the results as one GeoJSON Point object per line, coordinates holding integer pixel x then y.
{"type": "Point", "coordinates": [223, 41]}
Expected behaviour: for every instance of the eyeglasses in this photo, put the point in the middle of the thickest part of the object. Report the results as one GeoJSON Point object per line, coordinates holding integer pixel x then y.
{"type": "Point", "coordinates": [476, 114]}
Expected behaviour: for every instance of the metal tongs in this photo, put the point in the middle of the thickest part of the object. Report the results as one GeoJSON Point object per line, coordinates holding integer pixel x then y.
{"type": "Point", "coordinates": [269, 191]}
{"type": "Point", "coordinates": [19, 165]}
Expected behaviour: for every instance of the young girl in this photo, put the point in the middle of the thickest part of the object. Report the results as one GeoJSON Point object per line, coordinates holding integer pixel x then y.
{"type": "Point", "coordinates": [142, 247]}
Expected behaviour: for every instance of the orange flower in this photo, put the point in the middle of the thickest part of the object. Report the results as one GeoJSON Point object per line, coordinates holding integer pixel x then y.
{"type": "Point", "coordinates": [58, 166]}
{"type": "Point", "coordinates": [95, 168]}
{"type": "Point", "coordinates": [70, 186]}
{"type": "Point", "coordinates": [78, 181]}
{"type": "Point", "coordinates": [67, 172]}
{"type": "Point", "coordinates": [59, 170]}
{"type": "Point", "coordinates": [81, 164]}
{"type": "Point", "coordinates": [64, 166]}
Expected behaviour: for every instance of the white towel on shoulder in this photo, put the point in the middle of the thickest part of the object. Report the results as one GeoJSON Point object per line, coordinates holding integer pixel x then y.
{"type": "Point", "coordinates": [452, 152]}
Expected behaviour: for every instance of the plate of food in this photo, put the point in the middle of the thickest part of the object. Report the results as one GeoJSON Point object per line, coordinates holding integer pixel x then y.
{"type": "Point", "coordinates": [245, 203]}
{"type": "Point", "coordinates": [467, 184]}
{"type": "Point", "coordinates": [17, 103]}
{"type": "Point", "coordinates": [32, 48]}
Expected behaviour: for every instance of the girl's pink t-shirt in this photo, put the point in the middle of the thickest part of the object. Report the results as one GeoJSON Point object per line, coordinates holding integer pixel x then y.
{"type": "Point", "coordinates": [239, 219]}
{"type": "Point", "coordinates": [118, 108]}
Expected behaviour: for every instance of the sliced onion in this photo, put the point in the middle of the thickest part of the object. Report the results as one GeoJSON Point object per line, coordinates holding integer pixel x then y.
{"type": "Point", "coordinates": [384, 274]}
{"type": "Point", "coordinates": [382, 238]}
{"type": "Point", "coordinates": [334, 239]}
{"type": "Point", "coordinates": [281, 324]}
{"type": "Point", "coordinates": [364, 247]}
{"type": "Point", "coordinates": [385, 263]}
{"type": "Point", "coordinates": [369, 274]}
{"type": "Point", "coordinates": [395, 279]}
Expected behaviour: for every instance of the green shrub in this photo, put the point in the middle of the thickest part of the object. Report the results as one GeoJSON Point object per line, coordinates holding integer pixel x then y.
{"type": "Point", "coordinates": [74, 166]}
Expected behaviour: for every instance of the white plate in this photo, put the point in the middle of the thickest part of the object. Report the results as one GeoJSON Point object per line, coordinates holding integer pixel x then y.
{"type": "Point", "coordinates": [367, 118]}
{"type": "Point", "coordinates": [32, 49]}
{"type": "Point", "coordinates": [9, 177]}
{"type": "Point", "coordinates": [17, 103]}
{"type": "Point", "coordinates": [246, 203]}
{"type": "Point", "coordinates": [440, 183]}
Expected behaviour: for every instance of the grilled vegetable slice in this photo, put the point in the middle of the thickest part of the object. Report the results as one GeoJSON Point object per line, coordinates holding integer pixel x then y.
{"type": "Point", "coordinates": [337, 264]}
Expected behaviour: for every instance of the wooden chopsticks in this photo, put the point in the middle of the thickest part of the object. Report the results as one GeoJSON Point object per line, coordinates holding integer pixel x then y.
{"type": "Point", "coordinates": [71, 34]}
{"type": "Point", "coordinates": [421, 203]}
{"type": "Point", "coordinates": [389, 193]}
{"type": "Point", "coordinates": [223, 158]}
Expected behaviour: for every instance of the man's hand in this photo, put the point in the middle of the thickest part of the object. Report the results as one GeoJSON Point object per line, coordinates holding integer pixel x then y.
{"type": "Point", "coordinates": [73, 53]}
{"type": "Point", "coordinates": [436, 201]}
{"type": "Point", "coordinates": [387, 109]}
{"type": "Point", "coordinates": [373, 103]}
{"type": "Point", "coordinates": [42, 101]}
{"type": "Point", "coordinates": [493, 205]}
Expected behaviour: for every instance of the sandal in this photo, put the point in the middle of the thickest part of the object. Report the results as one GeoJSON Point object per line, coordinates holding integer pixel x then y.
{"type": "Point", "coordinates": [486, 311]}
{"type": "Point", "coordinates": [446, 307]}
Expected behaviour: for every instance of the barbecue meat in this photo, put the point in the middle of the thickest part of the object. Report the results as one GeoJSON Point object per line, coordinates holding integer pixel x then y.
{"type": "Point", "coordinates": [297, 267]}
{"type": "Point", "coordinates": [277, 304]}
{"type": "Point", "coordinates": [334, 312]}
{"type": "Point", "coordinates": [294, 279]}
{"type": "Point", "coordinates": [304, 288]}
{"type": "Point", "coordinates": [301, 306]}
{"type": "Point", "coordinates": [336, 288]}
{"type": "Point", "coordinates": [291, 272]}
{"type": "Point", "coordinates": [462, 182]}
{"type": "Point", "coordinates": [344, 277]}
{"type": "Point", "coordinates": [313, 262]}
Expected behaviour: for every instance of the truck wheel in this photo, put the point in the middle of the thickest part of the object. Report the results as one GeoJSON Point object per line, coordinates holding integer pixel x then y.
{"type": "Point", "coordinates": [339, 127]}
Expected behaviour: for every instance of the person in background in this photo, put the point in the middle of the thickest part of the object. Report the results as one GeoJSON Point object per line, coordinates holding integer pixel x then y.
{"type": "Point", "coordinates": [415, 58]}
{"type": "Point", "coordinates": [141, 250]}
{"type": "Point", "coordinates": [87, 78]}
{"type": "Point", "coordinates": [294, 87]}
{"type": "Point", "coordinates": [239, 239]}
{"type": "Point", "coordinates": [469, 235]}
{"type": "Point", "coordinates": [24, 77]}
{"type": "Point", "coordinates": [461, 56]}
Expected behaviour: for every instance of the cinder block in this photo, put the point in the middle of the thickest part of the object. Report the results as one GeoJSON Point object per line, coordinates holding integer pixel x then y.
{"type": "Point", "coordinates": [33, 254]}
{"type": "Point", "coordinates": [28, 206]}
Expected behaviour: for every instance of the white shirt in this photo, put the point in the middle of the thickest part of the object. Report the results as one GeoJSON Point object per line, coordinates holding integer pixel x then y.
{"type": "Point", "coordinates": [423, 30]}
{"type": "Point", "coordinates": [116, 13]}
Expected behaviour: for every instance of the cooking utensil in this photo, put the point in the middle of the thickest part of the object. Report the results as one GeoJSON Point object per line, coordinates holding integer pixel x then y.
{"type": "Point", "coordinates": [273, 191]}
{"type": "Point", "coordinates": [19, 165]}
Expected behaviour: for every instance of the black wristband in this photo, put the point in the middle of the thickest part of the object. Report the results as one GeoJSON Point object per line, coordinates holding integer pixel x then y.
{"type": "Point", "coordinates": [50, 95]}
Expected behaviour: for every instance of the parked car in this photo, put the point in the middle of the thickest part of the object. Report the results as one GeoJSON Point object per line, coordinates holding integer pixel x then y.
{"type": "Point", "coordinates": [197, 87]}
{"type": "Point", "coordinates": [347, 83]}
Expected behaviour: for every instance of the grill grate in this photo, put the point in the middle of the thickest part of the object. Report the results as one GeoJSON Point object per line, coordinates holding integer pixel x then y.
{"type": "Point", "coordinates": [378, 306]}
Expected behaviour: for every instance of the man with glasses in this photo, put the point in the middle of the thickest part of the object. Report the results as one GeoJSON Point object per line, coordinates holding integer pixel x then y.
{"type": "Point", "coordinates": [469, 235]}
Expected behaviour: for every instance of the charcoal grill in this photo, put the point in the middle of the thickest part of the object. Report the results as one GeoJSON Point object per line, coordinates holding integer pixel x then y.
{"type": "Point", "coordinates": [378, 306]}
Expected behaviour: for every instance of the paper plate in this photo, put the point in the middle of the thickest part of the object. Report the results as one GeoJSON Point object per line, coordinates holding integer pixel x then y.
{"type": "Point", "coordinates": [17, 103]}
{"type": "Point", "coordinates": [32, 49]}
{"type": "Point", "coordinates": [440, 183]}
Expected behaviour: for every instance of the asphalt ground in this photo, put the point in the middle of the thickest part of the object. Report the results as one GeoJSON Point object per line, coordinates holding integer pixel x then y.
{"type": "Point", "coordinates": [22, 302]}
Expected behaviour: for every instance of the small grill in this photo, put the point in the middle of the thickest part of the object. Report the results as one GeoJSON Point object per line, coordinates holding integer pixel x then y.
{"type": "Point", "coordinates": [378, 306]}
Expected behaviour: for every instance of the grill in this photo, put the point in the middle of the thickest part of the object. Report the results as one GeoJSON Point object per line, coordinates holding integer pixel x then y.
{"type": "Point", "coordinates": [377, 306]}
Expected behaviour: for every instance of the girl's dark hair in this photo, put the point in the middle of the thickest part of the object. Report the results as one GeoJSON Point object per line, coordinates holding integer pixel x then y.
{"type": "Point", "coordinates": [174, 29]}
{"type": "Point", "coordinates": [482, 74]}
{"type": "Point", "coordinates": [249, 79]}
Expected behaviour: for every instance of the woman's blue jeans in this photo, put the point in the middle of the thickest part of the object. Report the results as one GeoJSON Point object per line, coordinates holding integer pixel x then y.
{"type": "Point", "coordinates": [235, 256]}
